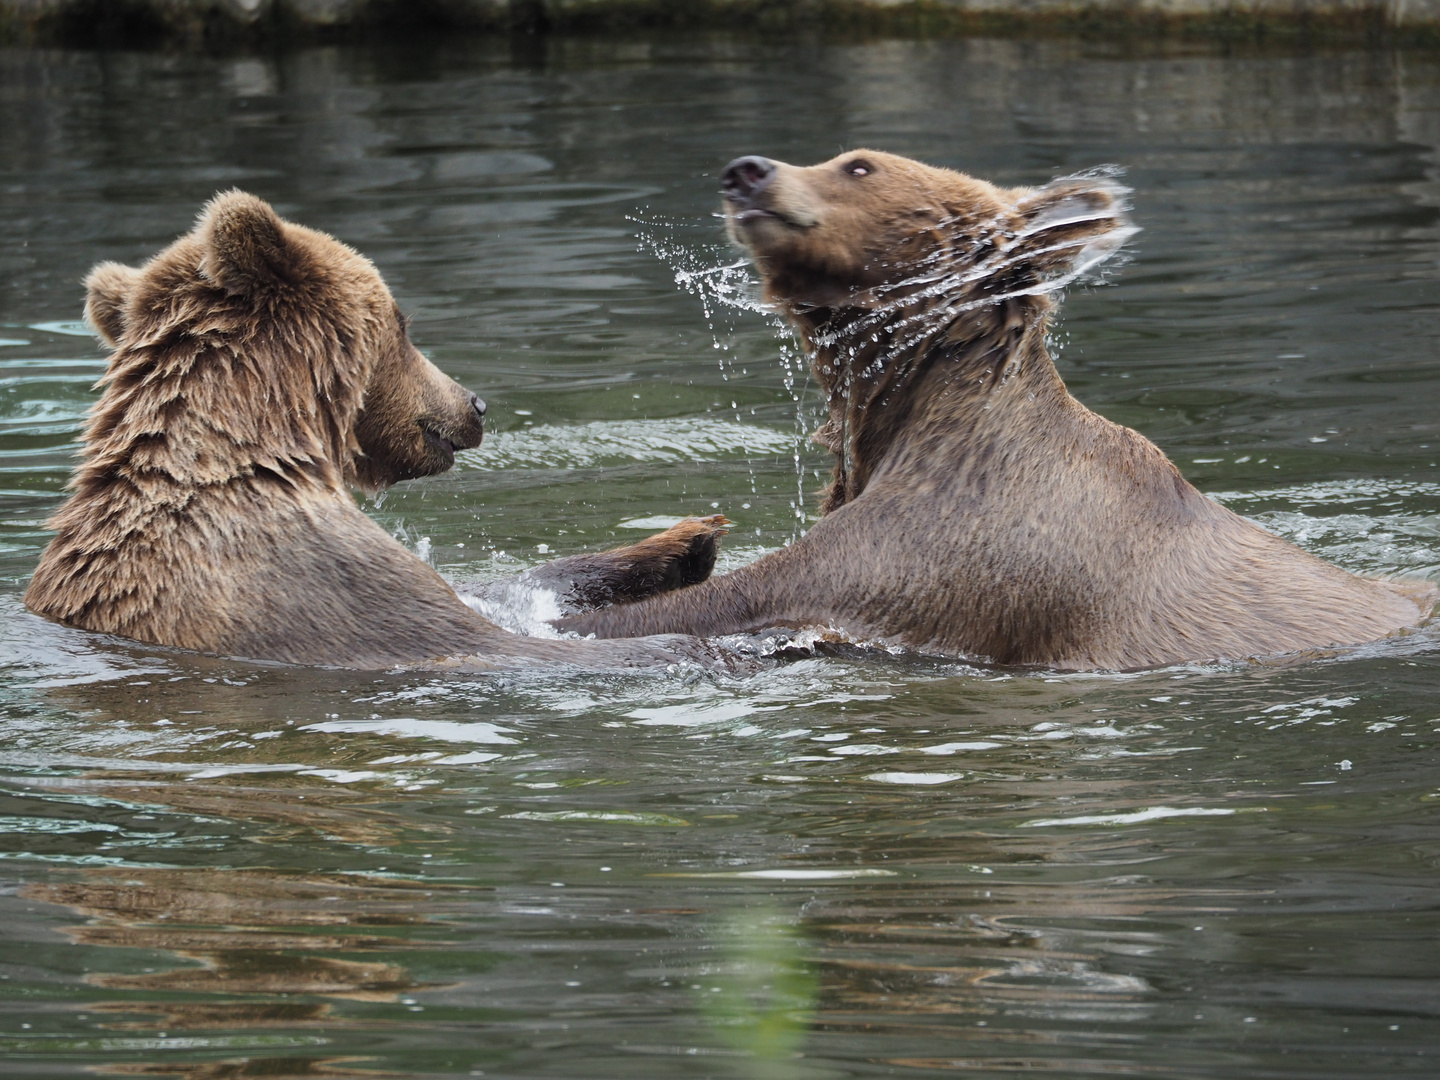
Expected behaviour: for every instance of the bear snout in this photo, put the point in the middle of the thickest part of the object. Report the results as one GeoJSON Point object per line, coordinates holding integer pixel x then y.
{"type": "Point", "coordinates": [746, 177]}
{"type": "Point", "coordinates": [469, 428]}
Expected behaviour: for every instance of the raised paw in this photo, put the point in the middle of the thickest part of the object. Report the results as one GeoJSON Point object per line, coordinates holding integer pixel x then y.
{"type": "Point", "coordinates": [682, 555]}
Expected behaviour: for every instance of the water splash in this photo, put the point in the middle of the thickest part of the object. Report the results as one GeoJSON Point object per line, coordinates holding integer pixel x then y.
{"type": "Point", "coordinates": [972, 269]}
{"type": "Point", "coordinates": [517, 607]}
{"type": "Point", "coordinates": [966, 272]}
{"type": "Point", "coordinates": [728, 291]}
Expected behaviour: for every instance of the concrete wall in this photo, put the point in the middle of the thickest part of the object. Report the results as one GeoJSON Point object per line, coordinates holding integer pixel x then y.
{"type": "Point", "coordinates": [102, 21]}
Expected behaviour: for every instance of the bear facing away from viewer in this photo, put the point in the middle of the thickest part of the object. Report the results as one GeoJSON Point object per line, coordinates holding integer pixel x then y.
{"type": "Point", "coordinates": [261, 369]}
{"type": "Point", "coordinates": [977, 509]}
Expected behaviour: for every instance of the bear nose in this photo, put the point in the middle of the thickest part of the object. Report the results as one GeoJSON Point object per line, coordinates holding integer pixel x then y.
{"type": "Point", "coordinates": [477, 405]}
{"type": "Point", "coordinates": [746, 177]}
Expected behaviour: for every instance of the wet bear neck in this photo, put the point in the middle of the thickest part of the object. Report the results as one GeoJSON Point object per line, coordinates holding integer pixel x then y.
{"type": "Point", "coordinates": [167, 437]}
{"type": "Point", "coordinates": [892, 386]}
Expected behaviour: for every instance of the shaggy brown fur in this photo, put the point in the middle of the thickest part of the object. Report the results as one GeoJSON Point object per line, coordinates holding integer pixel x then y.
{"type": "Point", "coordinates": [977, 508]}
{"type": "Point", "coordinates": [259, 369]}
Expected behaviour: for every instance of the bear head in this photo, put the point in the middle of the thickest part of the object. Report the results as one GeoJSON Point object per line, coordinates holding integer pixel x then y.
{"type": "Point", "coordinates": [254, 344]}
{"type": "Point", "coordinates": [869, 229]}
{"type": "Point", "coordinates": [886, 264]}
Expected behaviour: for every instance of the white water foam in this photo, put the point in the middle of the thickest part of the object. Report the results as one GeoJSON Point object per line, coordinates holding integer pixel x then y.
{"type": "Point", "coordinates": [478, 731]}
{"type": "Point", "coordinates": [519, 608]}
{"type": "Point", "coordinates": [1336, 492]}
{"type": "Point", "coordinates": [1153, 813]}
{"type": "Point", "coordinates": [796, 874]}
{"type": "Point", "coordinates": [923, 779]}
{"type": "Point", "coordinates": [696, 438]}
{"type": "Point", "coordinates": [1379, 533]}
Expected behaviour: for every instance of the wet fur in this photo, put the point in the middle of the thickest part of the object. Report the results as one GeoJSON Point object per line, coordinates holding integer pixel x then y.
{"type": "Point", "coordinates": [260, 370]}
{"type": "Point", "coordinates": [977, 509]}
{"type": "Point", "coordinates": [682, 556]}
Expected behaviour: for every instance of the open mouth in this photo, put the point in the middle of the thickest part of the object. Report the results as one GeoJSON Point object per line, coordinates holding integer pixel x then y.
{"type": "Point", "coordinates": [742, 216]}
{"type": "Point", "coordinates": [443, 444]}
{"type": "Point", "coordinates": [753, 214]}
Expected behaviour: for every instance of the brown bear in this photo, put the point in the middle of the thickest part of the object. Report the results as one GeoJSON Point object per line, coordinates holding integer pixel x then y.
{"type": "Point", "coordinates": [261, 369]}
{"type": "Point", "coordinates": [977, 509]}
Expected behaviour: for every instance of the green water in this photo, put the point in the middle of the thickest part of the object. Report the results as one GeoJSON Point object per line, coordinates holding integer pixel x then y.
{"type": "Point", "coordinates": [847, 866]}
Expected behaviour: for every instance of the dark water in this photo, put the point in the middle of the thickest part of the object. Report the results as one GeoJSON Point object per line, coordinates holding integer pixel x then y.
{"type": "Point", "coordinates": [865, 866]}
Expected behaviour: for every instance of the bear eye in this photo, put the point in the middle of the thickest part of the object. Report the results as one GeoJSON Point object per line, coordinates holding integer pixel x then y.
{"type": "Point", "coordinates": [859, 168]}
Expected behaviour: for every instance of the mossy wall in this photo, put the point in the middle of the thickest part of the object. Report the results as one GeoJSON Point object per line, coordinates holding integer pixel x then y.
{"type": "Point", "coordinates": [216, 22]}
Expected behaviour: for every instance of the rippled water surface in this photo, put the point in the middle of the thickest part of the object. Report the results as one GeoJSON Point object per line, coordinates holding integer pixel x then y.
{"type": "Point", "coordinates": [847, 865]}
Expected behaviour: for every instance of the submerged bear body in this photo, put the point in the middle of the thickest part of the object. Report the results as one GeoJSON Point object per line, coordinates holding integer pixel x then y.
{"type": "Point", "coordinates": [977, 509]}
{"type": "Point", "coordinates": [260, 370]}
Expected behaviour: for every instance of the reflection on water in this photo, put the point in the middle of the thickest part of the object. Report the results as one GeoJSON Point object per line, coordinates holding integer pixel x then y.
{"type": "Point", "coordinates": [761, 996]}
{"type": "Point", "coordinates": [242, 929]}
{"type": "Point", "coordinates": [848, 865]}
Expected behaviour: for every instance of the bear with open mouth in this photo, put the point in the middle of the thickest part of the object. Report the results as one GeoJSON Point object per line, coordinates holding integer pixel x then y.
{"type": "Point", "coordinates": [978, 510]}
{"type": "Point", "coordinates": [260, 370]}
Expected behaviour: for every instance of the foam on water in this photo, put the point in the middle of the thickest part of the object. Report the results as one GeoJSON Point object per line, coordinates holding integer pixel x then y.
{"type": "Point", "coordinates": [1399, 535]}
{"type": "Point", "coordinates": [1154, 813]}
{"type": "Point", "coordinates": [1336, 492]}
{"type": "Point", "coordinates": [925, 779]}
{"type": "Point", "coordinates": [67, 327]}
{"type": "Point", "coordinates": [656, 523]}
{"type": "Point", "coordinates": [553, 446]}
{"type": "Point", "coordinates": [518, 607]}
{"type": "Point", "coordinates": [405, 727]}
{"type": "Point", "coordinates": [794, 874]}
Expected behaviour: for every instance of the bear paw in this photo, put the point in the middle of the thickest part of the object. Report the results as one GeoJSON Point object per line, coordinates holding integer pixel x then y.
{"type": "Point", "coordinates": [682, 555]}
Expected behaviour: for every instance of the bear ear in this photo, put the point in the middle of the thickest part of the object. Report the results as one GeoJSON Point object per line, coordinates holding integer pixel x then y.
{"type": "Point", "coordinates": [1072, 225]}
{"type": "Point", "coordinates": [246, 247]}
{"type": "Point", "coordinates": [108, 288]}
